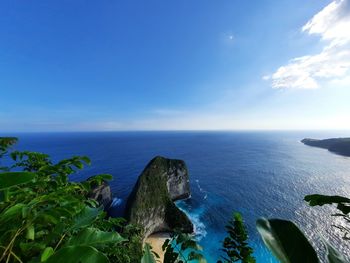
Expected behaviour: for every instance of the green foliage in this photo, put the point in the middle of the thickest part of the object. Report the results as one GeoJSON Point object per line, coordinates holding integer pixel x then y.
{"type": "Point", "coordinates": [235, 244]}
{"type": "Point", "coordinates": [342, 204]}
{"type": "Point", "coordinates": [98, 179]}
{"type": "Point", "coordinates": [86, 246]}
{"type": "Point", "coordinates": [286, 241]}
{"type": "Point", "coordinates": [46, 218]}
{"type": "Point", "coordinates": [10, 179]}
{"type": "Point", "coordinates": [86, 217]}
{"type": "Point", "coordinates": [30, 161]}
{"type": "Point", "coordinates": [181, 248]}
{"type": "Point", "coordinates": [320, 200]}
{"type": "Point", "coordinates": [148, 255]}
{"type": "Point", "coordinates": [78, 254]}
{"type": "Point", "coordinates": [94, 237]}
{"type": "Point", "coordinates": [46, 254]}
{"type": "Point", "coordinates": [5, 144]}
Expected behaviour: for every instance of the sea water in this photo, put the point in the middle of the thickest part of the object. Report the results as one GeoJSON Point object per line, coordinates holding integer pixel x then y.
{"type": "Point", "coordinates": [259, 174]}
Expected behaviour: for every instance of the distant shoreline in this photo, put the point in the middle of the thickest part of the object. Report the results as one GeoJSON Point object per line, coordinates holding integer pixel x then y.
{"type": "Point", "coordinates": [339, 146]}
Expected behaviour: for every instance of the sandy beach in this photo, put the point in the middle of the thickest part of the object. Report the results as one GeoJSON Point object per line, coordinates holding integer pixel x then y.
{"type": "Point", "coordinates": [156, 241]}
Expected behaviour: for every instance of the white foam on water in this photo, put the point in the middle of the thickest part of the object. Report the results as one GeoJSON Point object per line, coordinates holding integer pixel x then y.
{"type": "Point", "coordinates": [199, 227]}
{"type": "Point", "coordinates": [201, 190]}
{"type": "Point", "coordinates": [116, 202]}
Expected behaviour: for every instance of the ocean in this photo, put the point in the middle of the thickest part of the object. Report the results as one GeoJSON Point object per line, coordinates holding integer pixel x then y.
{"type": "Point", "coordinates": [259, 174]}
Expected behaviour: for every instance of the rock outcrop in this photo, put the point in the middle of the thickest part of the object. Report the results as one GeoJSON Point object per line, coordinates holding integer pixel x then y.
{"type": "Point", "coordinates": [336, 145]}
{"type": "Point", "coordinates": [151, 203]}
{"type": "Point", "coordinates": [102, 194]}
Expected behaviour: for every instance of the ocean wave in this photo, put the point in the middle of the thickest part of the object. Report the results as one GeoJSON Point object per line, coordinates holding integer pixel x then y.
{"type": "Point", "coordinates": [194, 215]}
{"type": "Point", "coordinates": [199, 227]}
{"type": "Point", "coordinates": [116, 202]}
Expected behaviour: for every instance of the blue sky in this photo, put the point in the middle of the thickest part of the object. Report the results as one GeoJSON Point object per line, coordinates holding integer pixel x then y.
{"type": "Point", "coordinates": [174, 65]}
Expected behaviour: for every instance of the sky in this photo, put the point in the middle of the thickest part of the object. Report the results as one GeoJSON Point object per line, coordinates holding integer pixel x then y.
{"type": "Point", "coordinates": [174, 65]}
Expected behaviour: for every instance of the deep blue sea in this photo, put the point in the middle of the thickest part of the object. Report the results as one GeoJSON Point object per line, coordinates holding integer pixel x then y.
{"type": "Point", "coordinates": [260, 174]}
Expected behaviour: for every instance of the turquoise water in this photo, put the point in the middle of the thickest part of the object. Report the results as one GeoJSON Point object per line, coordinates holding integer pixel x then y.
{"type": "Point", "coordinates": [256, 173]}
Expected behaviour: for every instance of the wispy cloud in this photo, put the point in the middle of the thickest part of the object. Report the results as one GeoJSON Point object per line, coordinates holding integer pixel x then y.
{"type": "Point", "coordinates": [332, 24]}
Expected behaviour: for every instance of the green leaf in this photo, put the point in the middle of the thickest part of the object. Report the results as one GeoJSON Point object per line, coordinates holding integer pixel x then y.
{"type": "Point", "coordinates": [286, 241]}
{"type": "Point", "coordinates": [107, 177]}
{"type": "Point", "coordinates": [344, 208]}
{"type": "Point", "coordinates": [30, 232]}
{"type": "Point", "coordinates": [320, 200]}
{"type": "Point", "coordinates": [92, 202]}
{"type": "Point", "coordinates": [10, 179]}
{"type": "Point", "coordinates": [342, 202]}
{"type": "Point", "coordinates": [49, 218]}
{"type": "Point", "coordinates": [333, 255]}
{"type": "Point", "coordinates": [196, 256]}
{"type": "Point", "coordinates": [86, 160]}
{"type": "Point", "coordinates": [25, 211]}
{"type": "Point", "coordinates": [147, 255]}
{"type": "Point", "coordinates": [46, 254]}
{"type": "Point", "coordinates": [5, 143]}
{"type": "Point", "coordinates": [12, 212]}
{"type": "Point", "coordinates": [86, 217]}
{"type": "Point", "coordinates": [78, 254]}
{"type": "Point", "coordinates": [5, 195]}
{"type": "Point", "coordinates": [190, 244]}
{"type": "Point", "coordinates": [165, 244]}
{"type": "Point", "coordinates": [100, 178]}
{"type": "Point", "coordinates": [170, 256]}
{"type": "Point", "coordinates": [32, 247]}
{"type": "Point", "coordinates": [79, 165]}
{"type": "Point", "coordinates": [94, 237]}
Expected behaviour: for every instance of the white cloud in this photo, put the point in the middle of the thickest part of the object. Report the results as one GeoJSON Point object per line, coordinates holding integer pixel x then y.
{"type": "Point", "coordinates": [332, 24]}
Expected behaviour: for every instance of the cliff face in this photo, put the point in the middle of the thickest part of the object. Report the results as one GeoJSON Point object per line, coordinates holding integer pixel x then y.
{"type": "Point", "coordinates": [337, 145]}
{"type": "Point", "coordinates": [178, 183]}
{"type": "Point", "coordinates": [151, 205]}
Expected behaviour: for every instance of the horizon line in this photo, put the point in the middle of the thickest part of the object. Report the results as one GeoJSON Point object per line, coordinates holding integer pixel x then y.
{"type": "Point", "coordinates": [183, 130]}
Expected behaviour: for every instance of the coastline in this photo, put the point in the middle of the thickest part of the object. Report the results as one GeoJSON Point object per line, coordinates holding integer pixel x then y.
{"type": "Point", "coordinates": [156, 241]}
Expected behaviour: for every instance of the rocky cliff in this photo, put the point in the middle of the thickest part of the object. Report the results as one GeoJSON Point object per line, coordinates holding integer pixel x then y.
{"type": "Point", "coordinates": [102, 194]}
{"type": "Point", "coordinates": [151, 205]}
{"type": "Point", "coordinates": [337, 145]}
